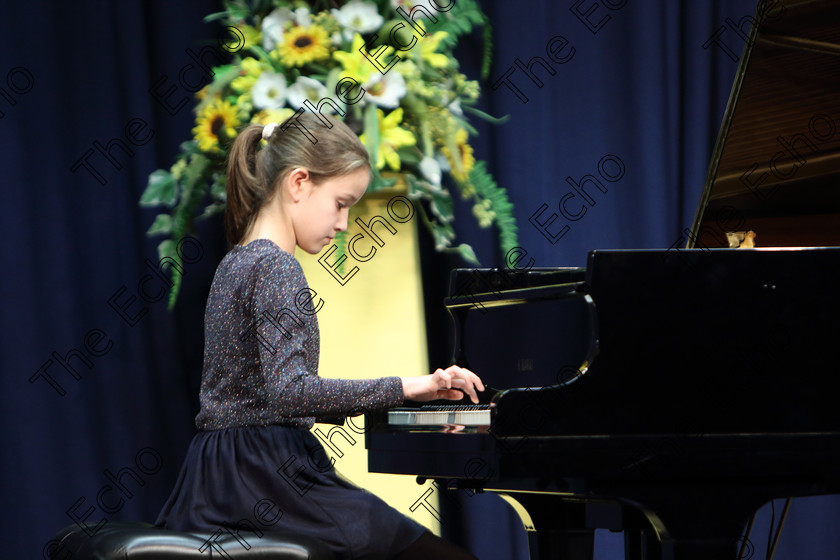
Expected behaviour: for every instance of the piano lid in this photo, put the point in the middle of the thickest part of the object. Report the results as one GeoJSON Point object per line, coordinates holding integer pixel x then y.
{"type": "Point", "coordinates": [775, 168]}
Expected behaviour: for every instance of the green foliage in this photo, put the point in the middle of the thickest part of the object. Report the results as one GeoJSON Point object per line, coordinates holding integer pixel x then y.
{"type": "Point", "coordinates": [464, 16]}
{"type": "Point", "coordinates": [195, 186]}
{"type": "Point", "coordinates": [500, 206]}
{"type": "Point", "coordinates": [162, 189]}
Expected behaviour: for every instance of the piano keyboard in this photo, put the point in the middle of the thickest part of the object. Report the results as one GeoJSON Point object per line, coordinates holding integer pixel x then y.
{"type": "Point", "coordinates": [440, 415]}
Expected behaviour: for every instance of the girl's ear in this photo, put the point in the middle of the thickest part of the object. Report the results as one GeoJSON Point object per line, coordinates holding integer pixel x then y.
{"type": "Point", "coordinates": [297, 183]}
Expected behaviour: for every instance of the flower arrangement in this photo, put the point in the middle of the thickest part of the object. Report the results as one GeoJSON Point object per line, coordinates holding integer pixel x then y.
{"type": "Point", "coordinates": [386, 67]}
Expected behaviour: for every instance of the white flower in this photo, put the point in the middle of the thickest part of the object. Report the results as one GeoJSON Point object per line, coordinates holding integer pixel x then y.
{"type": "Point", "coordinates": [269, 91]}
{"type": "Point", "coordinates": [274, 23]}
{"type": "Point", "coordinates": [272, 27]}
{"type": "Point", "coordinates": [455, 107]}
{"type": "Point", "coordinates": [306, 88]}
{"type": "Point", "coordinates": [443, 162]}
{"type": "Point", "coordinates": [303, 17]}
{"type": "Point", "coordinates": [358, 16]}
{"type": "Point", "coordinates": [430, 169]}
{"type": "Point", "coordinates": [387, 90]}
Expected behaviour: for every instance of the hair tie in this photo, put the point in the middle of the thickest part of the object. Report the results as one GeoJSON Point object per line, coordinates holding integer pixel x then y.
{"type": "Point", "coordinates": [268, 130]}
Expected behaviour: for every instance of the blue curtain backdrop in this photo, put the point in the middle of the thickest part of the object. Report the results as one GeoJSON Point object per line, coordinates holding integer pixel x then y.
{"type": "Point", "coordinates": [89, 392]}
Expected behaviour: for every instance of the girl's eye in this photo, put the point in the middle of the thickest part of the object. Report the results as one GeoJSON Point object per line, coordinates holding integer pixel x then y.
{"type": "Point", "coordinates": [340, 205]}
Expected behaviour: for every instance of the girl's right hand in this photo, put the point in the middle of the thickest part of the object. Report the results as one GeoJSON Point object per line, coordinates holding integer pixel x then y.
{"type": "Point", "coordinates": [451, 383]}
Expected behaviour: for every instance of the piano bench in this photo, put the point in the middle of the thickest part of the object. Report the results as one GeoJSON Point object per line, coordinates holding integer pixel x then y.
{"type": "Point", "coordinates": [140, 541]}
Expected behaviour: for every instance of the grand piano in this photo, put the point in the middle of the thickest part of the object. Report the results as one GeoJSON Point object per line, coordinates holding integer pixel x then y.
{"type": "Point", "coordinates": [671, 392]}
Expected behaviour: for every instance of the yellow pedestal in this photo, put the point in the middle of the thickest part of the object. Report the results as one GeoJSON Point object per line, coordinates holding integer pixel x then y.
{"type": "Point", "coordinates": [372, 326]}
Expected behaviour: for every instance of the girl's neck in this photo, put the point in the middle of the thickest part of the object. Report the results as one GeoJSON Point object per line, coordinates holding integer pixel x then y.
{"type": "Point", "coordinates": [272, 224]}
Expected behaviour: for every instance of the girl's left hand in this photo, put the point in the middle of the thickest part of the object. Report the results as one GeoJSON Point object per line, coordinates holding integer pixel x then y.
{"type": "Point", "coordinates": [451, 383]}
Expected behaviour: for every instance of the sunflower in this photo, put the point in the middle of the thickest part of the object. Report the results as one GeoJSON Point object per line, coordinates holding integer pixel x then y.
{"type": "Point", "coordinates": [465, 161]}
{"type": "Point", "coordinates": [217, 120]}
{"type": "Point", "coordinates": [303, 44]}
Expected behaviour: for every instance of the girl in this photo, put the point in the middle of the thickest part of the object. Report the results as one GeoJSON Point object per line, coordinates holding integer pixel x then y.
{"type": "Point", "coordinates": [260, 389]}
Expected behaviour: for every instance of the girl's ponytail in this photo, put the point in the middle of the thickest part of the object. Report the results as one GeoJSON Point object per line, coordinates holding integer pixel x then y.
{"type": "Point", "coordinates": [245, 191]}
{"type": "Point", "coordinates": [254, 173]}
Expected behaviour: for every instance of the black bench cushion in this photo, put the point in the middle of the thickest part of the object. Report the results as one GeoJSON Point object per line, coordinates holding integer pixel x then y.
{"type": "Point", "coordinates": [140, 541]}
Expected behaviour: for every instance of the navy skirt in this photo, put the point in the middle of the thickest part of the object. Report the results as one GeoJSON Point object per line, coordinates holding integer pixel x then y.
{"type": "Point", "coordinates": [278, 478]}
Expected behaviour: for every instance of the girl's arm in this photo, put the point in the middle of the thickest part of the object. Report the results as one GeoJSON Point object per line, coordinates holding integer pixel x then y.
{"type": "Point", "coordinates": [298, 391]}
{"type": "Point", "coordinates": [288, 352]}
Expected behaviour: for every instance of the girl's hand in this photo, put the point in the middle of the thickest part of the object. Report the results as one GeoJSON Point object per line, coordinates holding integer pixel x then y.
{"type": "Point", "coordinates": [443, 384]}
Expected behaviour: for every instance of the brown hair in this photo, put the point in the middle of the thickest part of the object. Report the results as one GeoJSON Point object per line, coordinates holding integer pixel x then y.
{"type": "Point", "coordinates": [254, 174]}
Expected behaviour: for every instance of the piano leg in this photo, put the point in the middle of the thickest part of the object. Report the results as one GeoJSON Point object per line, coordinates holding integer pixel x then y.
{"type": "Point", "coordinates": [558, 528]}
{"type": "Point", "coordinates": [641, 545]}
{"type": "Point", "coordinates": [706, 524]}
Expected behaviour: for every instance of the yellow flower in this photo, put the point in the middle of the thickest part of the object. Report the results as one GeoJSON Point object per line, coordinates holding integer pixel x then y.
{"type": "Point", "coordinates": [202, 93]}
{"type": "Point", "coordinates": [278, 116]}
{"type": "Point", "coordinates": [303, 44]}
{"type": "Point", "coordinates": [462, 161]}
{"type": "Point", "coordinates": [253, 36]}
{"type": "Point", "coordinates": [250, 70]}
{"type": "Point", "coordinates": [391, 137]}
{"type": "Point", "coordinates": [427, 49]}
{"type": "Point", "coordinates": [356, 66]}
{"type": "Point", "coordinates": [217, 120]}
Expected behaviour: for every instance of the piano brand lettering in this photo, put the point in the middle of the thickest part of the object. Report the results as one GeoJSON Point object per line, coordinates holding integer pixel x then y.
{"type": "Point", "coordinates": [821, 128]}
{"type": "Point", "coordinates": [266, 512]}
{"type": "Point", "coordinates": [772, 11]}
{"type": "Point", "coordinates": [400, 210]}
{"type": "Point", "coordinates": [20, 81]}
{"type": "Point", "coordinates": [97, 343]}
{"type": "Point", "coordinates": [587, 12]}
{"type": "Point", "coordinates": [113, 495]}
{"type": "Point", "coordinates": [611, 169]}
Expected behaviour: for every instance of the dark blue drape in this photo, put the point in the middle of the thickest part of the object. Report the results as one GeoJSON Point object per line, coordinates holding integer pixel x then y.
{"type": "Point", "coordinates": [98, 398]}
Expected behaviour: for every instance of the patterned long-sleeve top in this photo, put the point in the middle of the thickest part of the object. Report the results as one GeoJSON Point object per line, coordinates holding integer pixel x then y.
{"type": "Point", "coordinates": [261, 349]}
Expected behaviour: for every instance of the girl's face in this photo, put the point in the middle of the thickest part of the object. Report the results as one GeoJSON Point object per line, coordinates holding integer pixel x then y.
{"type": "Point", "coordinates": [323, 209]}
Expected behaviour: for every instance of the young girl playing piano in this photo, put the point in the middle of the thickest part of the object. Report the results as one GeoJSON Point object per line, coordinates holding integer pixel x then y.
{"type": "Point", "coordinates": [260, 389]}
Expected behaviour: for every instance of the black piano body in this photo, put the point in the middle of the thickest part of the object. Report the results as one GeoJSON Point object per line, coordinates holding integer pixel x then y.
{"type": "Point", "coordinates": [708, 392]}
{"type": "Point", "coordinates": [670, 392]}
